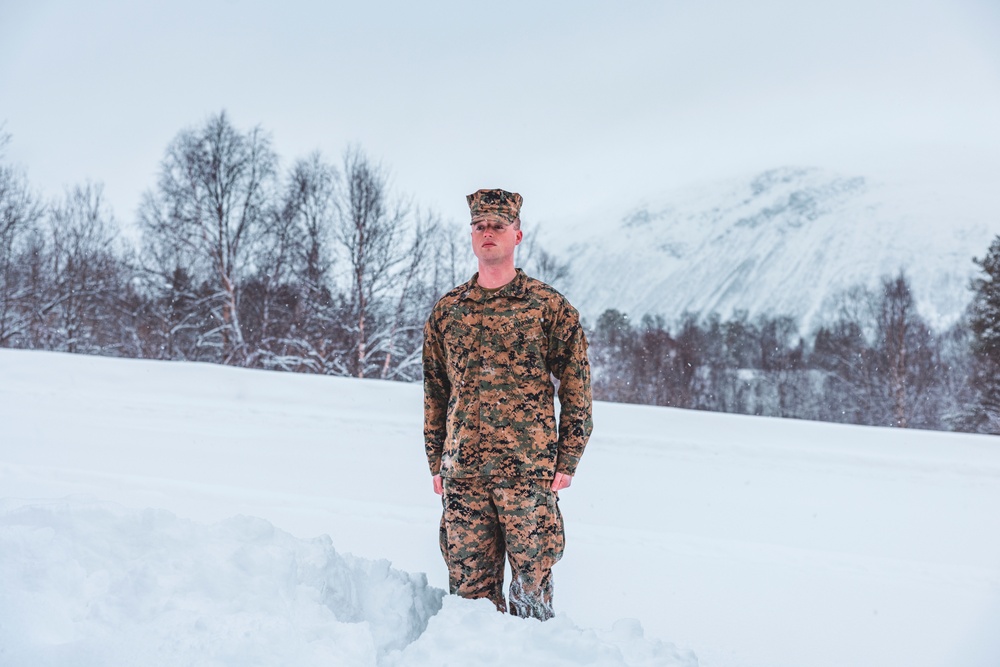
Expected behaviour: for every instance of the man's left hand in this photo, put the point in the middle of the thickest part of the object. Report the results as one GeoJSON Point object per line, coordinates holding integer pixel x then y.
{"type": "Point", "coordinates": [561, 481]}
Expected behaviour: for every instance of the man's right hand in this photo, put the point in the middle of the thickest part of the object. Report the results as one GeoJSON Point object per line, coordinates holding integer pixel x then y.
{"type": "Point", "coordinates": [438, 485]}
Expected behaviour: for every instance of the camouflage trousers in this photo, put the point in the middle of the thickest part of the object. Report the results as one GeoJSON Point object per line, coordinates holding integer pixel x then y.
{"type": "Point", "coordinates": [486, 519]}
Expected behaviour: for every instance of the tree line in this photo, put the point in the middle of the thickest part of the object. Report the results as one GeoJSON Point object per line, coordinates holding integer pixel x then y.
{"type": "Point", "coordinates": [321, 267]}
{"type": "Point", "coordinates": [874, 361]}
{"type": "Point", "coordinates": [318, 268]}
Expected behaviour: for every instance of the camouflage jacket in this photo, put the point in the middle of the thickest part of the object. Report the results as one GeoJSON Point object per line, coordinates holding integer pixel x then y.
{"type": "Point", "coordinates": [490, 357]}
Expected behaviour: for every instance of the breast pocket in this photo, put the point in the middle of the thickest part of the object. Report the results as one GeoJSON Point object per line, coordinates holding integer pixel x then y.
{"type": "Point", "coordinates": [460, 346]}
{"type": "Point", "coordinates": [525, 343]}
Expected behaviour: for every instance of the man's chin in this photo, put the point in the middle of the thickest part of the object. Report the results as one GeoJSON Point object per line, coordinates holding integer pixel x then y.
{"type": "Point", "coordinates": [491, 259]}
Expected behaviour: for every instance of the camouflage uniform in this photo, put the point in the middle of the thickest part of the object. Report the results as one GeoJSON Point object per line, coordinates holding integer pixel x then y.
{"type": "Point", "coordinates": [487, 517]}
{"type": "Point", "coordinates": [490, 357]}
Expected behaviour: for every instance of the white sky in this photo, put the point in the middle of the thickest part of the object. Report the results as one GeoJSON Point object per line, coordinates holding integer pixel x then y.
{"type": "Point", "coordinates": [576, 105]}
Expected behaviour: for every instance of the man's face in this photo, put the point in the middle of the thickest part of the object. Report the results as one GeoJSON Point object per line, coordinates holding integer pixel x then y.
{"type": "Point", "coordinates": [494, 240]}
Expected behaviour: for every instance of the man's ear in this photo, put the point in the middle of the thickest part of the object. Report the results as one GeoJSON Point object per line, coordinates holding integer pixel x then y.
{"type": "Point", "coordinates": [517, 239]}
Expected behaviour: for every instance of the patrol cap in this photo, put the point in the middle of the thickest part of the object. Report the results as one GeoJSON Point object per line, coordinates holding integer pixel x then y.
{"type": "Point", "coordinates": [506, 205]}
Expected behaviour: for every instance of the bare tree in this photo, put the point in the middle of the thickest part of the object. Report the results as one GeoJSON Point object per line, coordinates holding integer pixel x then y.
{"type": "Point", "coordinates": [881, 358]}
{"type": "Point", "coordinates": [907, 354]}
{"type": "Point", "coordinates": [405, 318]}
{"type": "Point", "coordinates": [81, 305]}
{"type": "Point", "coordinates": [542, 264]}
{"type": "Point", "coordinates": [452, 261]}
{"type": "Point", "coordinates": [371, 235]}
{"type": "Point", "coordinates": [209, 210]}
{"type": "Point", "coordinates": [296, 309]}
{"type": "Point", "coordinates": [843, 351]}
{"type": "Point", "coordinates": [20, 210]}
{"type": "Point", "coordinates": [310, 202]}
{"type": "Point", "coordinates": [894, 322]}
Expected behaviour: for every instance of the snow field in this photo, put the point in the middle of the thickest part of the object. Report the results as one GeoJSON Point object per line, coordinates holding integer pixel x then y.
{"type": "Point", "coordinates": [752, 542]}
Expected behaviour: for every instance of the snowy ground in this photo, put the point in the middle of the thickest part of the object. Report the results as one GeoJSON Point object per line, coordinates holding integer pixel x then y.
{"type": "Point", "coordinates": [185, 514]}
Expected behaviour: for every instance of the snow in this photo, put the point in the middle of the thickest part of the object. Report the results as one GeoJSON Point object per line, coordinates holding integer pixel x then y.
{"type": "Point", "coordinates": [94, 584]}
{"type": "Point", "coordinates": [101, 586]}
{"type": "Point", "coordinates": [187, 514]}
{"type": "Point", "coordinates": [782, 242]}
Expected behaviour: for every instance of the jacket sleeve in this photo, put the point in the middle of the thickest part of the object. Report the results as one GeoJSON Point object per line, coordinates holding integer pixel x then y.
{"type": "Point", "coordinates": [567, 361]}
{"type": "Point", "coordinates": [437, 390]}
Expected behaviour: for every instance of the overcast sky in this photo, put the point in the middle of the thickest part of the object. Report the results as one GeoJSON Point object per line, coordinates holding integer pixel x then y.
{"type": "Point", "coordinates": [576, 105]}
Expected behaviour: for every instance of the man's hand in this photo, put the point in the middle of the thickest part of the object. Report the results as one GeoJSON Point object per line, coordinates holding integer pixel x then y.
{"type": "Point", "coordinates": [439, 487]}
{"type": "Point", "coordinates": [561, 481]}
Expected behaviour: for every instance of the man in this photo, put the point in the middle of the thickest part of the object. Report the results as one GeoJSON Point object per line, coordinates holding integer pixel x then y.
{"type": "Point", "coordinates": [493, 348]}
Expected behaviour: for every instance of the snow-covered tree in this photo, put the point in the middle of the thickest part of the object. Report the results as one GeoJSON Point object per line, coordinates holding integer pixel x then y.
{"type": "Point", "coordinates": [984, 320]}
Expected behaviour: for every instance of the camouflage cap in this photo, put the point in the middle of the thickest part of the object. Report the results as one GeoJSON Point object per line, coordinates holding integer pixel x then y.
{"type": "Point", "coordinates": [497, 202]}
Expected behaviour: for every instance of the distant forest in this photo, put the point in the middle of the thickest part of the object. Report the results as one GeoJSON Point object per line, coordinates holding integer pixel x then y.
{"type": "Point", "coordinates": [322, 268]}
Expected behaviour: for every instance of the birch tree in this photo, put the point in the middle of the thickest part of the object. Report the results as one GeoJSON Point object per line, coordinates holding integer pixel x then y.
{"type": "Point", "coordinates": [207, 214]}
{"type": "Point", "coordinates": [372, 239]}
{"type": "Point", "coordinates": [298, 310]}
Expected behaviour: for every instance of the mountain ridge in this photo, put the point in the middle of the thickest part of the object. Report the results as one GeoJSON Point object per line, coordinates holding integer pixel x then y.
{"type": "Point", "coordinates": [785, 241]}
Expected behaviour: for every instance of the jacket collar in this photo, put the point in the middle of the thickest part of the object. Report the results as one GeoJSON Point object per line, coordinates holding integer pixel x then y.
{"type": "Point", "coordinates": [516, 288]}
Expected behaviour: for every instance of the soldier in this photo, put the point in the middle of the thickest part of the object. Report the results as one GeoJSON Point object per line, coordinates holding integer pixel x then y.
{"type": "Point", "coordinates": [495, 348]}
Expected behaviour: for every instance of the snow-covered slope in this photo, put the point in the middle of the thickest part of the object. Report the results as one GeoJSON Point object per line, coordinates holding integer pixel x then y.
{"type": "Point", "coordinates": [782, 242]}
{"type": "Point", "coordinates": [748, 541]}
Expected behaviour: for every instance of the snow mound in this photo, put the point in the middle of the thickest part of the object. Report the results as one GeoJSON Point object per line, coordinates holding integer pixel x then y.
{"type": "Point", "coordinates": [471, 632]}
{"type": "Point", "coordinates": [89, 583]}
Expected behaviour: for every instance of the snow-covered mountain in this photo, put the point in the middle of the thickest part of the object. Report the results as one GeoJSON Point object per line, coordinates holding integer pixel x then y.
{"type": "Point", "coordinates": [785, 241]}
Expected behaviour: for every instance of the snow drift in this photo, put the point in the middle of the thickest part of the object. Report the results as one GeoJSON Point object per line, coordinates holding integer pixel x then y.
{"type": "Point", "coordinates": [88, 583]}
